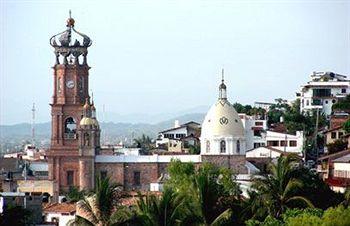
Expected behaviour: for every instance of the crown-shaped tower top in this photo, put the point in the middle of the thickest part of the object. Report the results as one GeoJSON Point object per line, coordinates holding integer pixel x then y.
{"type": "Point", "coordinates": [70, 43]}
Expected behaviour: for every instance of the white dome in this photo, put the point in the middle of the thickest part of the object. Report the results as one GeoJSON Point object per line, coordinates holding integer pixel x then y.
{"type": "Point", "coordinates": [222, 120]}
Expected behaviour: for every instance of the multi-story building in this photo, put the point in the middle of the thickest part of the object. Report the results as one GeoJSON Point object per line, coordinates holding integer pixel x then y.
{"type": "Point", "coordinates": [324, 89]}
{"type": "Point", "coordinates": [254, 128]}
{"type": "Point", "coordinates": [180, 137]}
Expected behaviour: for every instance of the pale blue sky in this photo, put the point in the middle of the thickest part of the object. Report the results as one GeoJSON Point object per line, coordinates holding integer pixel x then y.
{"type": "Point", "coordinates": [165, 56]}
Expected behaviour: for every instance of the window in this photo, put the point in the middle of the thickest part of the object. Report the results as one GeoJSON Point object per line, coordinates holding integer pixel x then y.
{"type": "Point", "coordinates": [238, 147]}
{"type": "Point", "coordinates": [137, 178]}
{"type": "Point", "coordinates": [307, 102]}
{"type": "Point", "coordinates": [333, 101]}
{"type": "Point", "coordinates": [59, 85]}
{"type": "Point", "coordinates": [343, 90]}
{"type": "Point", "coordinates": [284, 143]}
{"type": "Point", "coordinates": [273, 143]}
{"type": "Point", "coordinates": [326, 101]}
{"type": "Point", "coordinates": [257, 133]}
{"type": "Point", "coordinates": [292, 143]}
{"type": "Point", "coordinates": [333, 135]}
{"type": "Point", "coordinates": [222, 146]}
{"type": "Point", "coordinates": [259, 123]}
{"type": "Point", "coordinates": [321, 92]}
{"type": "Point", "coordinates": [70, 127]}
{"type": "Point", "coordinates": [70, 178]}
{"type": "Point", "coordinates": [103, 174]}
{"type": "Point", "coordinates": [207, 148]}
{"type": "Point", "coordinates": [180, 135]}
{"type": "Point", "coordinates": [340, 134]}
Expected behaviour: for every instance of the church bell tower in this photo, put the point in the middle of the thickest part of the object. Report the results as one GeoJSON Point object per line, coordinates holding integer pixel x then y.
{"type": "Point", "coordinates": [69, 163]}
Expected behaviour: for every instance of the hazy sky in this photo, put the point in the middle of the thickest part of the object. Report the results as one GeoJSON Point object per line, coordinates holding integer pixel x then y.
{"type": "Point", "coordinates": [165, 56]}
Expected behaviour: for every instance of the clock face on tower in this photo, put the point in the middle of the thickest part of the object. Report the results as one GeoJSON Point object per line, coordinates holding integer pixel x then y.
{"type": "Point", "coordinates": [70, 84]}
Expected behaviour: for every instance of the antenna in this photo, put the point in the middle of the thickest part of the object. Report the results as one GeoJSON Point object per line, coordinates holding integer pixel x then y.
{"type": "Point", "coordinates": [33, 125]}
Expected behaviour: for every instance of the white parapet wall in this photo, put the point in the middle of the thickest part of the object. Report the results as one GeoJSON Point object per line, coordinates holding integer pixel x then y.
{"type": "Point", "coordinates": [146, 158]}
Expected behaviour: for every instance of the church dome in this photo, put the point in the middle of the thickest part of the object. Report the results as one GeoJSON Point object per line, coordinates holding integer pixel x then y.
{"type": "Point", "coordinates": [222, 120]}
{"type": "Point", "coordinates": [222, 129]}
{"type": "Point", "coordinates": [85, 121]}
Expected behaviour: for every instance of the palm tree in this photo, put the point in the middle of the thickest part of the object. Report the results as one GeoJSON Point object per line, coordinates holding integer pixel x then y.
{"type": "Point", "coordinates": [207, 193]}
{"type": "Point", "coordinates": [166, 210]}
{"type": "Point", "coordinates": [100, 207]}
{"type": "Point", "coordinates": [276, 190]}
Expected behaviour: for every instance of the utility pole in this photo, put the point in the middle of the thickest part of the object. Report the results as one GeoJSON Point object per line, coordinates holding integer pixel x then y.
{"type": "Point", "coordinates": [316, 131]}
{"type": "Point", "coordinates": [33, 125]}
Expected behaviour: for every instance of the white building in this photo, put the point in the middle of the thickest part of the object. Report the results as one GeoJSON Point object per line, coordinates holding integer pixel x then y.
{"type": "Point", "coordinates": [222, 128]}
{"type": "Point", "coordinates": [176, 138]}
{"type": "Point", "coordinates": [59, 213]}
{"type": "Point", "coordinates": [285, 142]}
{"type": "Point", "coordinates": [324, 89]}
{"type": "Point", "coordinates": [254, 131]}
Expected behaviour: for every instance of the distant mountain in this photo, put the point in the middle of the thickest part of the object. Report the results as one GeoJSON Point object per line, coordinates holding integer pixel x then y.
{"type": "Point", "coordinates": [111, 132]}
{"type": "Point", "coordinates": [149, 118]}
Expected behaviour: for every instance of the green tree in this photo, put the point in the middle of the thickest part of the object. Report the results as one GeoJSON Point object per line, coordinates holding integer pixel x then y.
{"type": "Point", "coordinates": [74, 195]}
{"type": "Point", "coordinates": [100, 208]}
{"type": "Point", "coordinates": [346, 126]}
{"type": "Point", "coordinates": [144, 143]}
{"type": "Point", "coordinates": [277, 189]}
{"type": "Point", "coordinates": [16, 216]}
{"type": "Point", "coordinates": [342, 104]}
{"type": "Point", "coordinates": [166, 210]}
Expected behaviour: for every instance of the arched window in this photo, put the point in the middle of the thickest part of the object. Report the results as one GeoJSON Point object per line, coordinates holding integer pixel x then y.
{"type": "Point", "coordinates": [222, 146]}
{"type": "Point", "coordinates": [238, 147]}
{"type": "Point", "coordinates": [208, 146]}
{"type": "Point", "coordinates": [59, 84]}
{"type": "Point", "coordinates": [86, 139]}
{"type": "Point", "coordinates": [70, 128]}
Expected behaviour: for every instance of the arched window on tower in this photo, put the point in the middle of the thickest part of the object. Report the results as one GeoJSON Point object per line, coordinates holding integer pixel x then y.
{"type": "Point", "coordinates": [70, 128]}
{"type": "Point", "coordinates": [222, 146]}
{"type": "Point", "coordinates": [238, 147]}
{"type": "Point", "coordinates": [86, 139]}
{"type": "Point", "coordinates": [207, 148]}
{"type": "Point", "coordinates": [59, 84]}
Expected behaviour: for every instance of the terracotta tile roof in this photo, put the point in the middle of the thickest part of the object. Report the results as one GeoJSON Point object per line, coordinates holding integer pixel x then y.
{"type": "Point", "coordinates": [60, 208]}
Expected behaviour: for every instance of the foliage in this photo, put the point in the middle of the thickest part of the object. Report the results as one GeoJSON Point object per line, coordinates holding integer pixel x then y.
{"type": "Point", "coordinates": [194, 149]}
{"type": "Point", "coordinates": [346, 126]}
{"type": "Point", "coordinates": [315, 189]}
{"type": "Point", "coordinates": [166, 210]}
{"type": "Point", "coordinates": [15, 216]}
{"type": "Point", "coordinates": [74, 195]}
{"type": "Point", "coordinates": [277, 190]}
{"type": "Point", "coordinates": [342, 104]}
{"type": "Point", "coordinates": [208, 190]}
{"type": "Point", "coordinates": [144, 142]}
{"type": "Point", "coordinates": [99, 206]}
{"type": "Point", "coordinates": [337, 146]}
{"type": "Point", "coordinates": [249, 110]}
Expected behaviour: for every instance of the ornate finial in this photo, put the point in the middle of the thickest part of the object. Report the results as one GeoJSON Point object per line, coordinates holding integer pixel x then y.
{"type": "Point", "coordinates": [222, 75]}
{"type": "Point", "coordinates": [70, 21]}
{"type": "Point", "coordinates": [222, 87]}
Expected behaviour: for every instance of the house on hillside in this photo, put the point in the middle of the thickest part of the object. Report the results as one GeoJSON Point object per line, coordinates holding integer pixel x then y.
{"type": "Point", "coordinates": [180, 137]}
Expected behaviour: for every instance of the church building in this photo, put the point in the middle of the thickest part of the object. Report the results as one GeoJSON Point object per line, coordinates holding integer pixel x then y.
{"type": "Point", "coordinates": [75, 156]}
